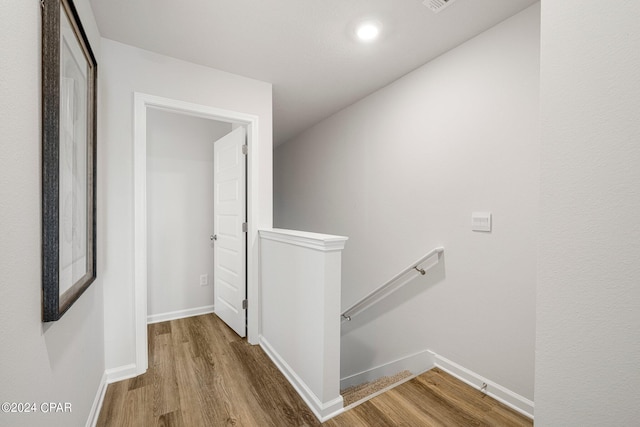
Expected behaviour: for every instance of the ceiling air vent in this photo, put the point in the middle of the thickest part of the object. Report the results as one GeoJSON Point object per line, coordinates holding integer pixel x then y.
{"type": "Point", "coordinates": [437, 5]}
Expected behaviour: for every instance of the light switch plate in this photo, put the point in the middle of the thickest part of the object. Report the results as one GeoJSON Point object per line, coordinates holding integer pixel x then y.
{"type": "Point", "coordinates": [481, 221]}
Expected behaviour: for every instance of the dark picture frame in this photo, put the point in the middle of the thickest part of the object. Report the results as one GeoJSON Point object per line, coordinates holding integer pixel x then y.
{"type": "Point", "coordinates": [69, 105]}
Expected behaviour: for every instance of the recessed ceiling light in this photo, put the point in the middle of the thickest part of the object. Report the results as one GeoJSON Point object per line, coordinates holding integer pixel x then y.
{"type": "Point", "coordinates": [368, 31]}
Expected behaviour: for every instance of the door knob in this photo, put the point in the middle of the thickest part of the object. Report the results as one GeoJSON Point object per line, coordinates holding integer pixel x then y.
{"type": "Point", "coordinates": [214, 237]}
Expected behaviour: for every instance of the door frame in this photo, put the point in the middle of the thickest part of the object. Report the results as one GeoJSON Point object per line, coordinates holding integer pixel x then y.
{"type": "Point", "coordinates": [142, 102]}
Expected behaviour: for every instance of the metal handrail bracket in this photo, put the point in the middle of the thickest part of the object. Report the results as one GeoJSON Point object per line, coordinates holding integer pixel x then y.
{"type": "Point", "coordinates": [389, 286]}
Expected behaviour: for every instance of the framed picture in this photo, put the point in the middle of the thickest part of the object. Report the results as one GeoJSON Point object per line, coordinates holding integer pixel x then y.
{"type": "Point", "coordinates": [69, 72]}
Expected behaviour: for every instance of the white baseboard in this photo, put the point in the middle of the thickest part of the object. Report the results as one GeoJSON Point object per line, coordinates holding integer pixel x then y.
{"type": "Point", "coordinates": [322, 410]}
{"type": "Point", "coordinates": [172, 315]}
{"type": "Point", "coordinates": [498, 392]}
{"type": "Point", "coordinates": [121, 373]}
{"type": "Point", "coordinates": [416, 363]}
{"type": "Point", "coordinates": [97, 402]}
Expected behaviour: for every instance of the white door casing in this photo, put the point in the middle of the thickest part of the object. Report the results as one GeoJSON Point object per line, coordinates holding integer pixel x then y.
{"type": "Point", "coordinates": [256, 216]}
{"type": "Point", "coordinates": [229, 210]}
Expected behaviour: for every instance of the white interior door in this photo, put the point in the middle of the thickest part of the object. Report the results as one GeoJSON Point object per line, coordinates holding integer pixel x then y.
{"type": "Point", "coordinates": [229, 210]}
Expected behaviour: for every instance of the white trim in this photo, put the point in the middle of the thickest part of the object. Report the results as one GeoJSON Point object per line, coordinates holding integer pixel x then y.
{"type": "Point", "coordinates": [180, 314]}
{"type": "Point", "coordinates": [496, 391]}
{"type": "Point", "coordinates": [423, 361]}
{"type": "Point", "coordinates": [316, 241]}
{"type": "Point", "coordinates": [141, 103]}
{"type": "Point", "coordinates": [322, 411]}
{"type": "Point", "coordinates": [140, 231]}
{"type": "Point", "coordinates": [121, 373]}
{"type": "Point", "coordinates": [94, 413]}
{"type": "Point", "coordinates": [416, 363]}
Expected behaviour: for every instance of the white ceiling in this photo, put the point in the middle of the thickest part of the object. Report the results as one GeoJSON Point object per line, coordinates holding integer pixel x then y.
{"type": "Point", "coordinates": [306, 48]}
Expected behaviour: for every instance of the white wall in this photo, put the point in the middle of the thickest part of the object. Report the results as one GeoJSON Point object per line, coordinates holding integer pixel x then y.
{"type": "Point", "coordinates": [127, 70]}
{"type": "Point", "coordinates": [179, 211]}
{"type": "Point", "coordinates": [300, 277]}
{"type": "Point", "coordinates": [400, 172]}
{"type": "Point", "coordinates": [588, 307]}
{"type": "Point", "coordinates": [61, 361]}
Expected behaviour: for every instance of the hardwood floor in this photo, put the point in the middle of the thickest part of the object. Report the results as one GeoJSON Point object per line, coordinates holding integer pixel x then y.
{"type": "Point", "coordinates": [202, 374]}
{"type": "Point", "coordinates": [434, 398]}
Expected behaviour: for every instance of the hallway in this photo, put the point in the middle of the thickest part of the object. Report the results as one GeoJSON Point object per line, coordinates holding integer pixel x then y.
{"type": "Point", "coordinates": [202, 374]}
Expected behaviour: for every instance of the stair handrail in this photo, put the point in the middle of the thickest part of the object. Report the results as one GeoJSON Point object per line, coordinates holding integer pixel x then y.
{"type": "Point", "coordinates": [387, 288]}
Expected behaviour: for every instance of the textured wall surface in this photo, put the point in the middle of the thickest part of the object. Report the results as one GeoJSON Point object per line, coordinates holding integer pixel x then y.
{"type": "Point", "coordinates": [180, 210]}
{"type": "Point", "coordinates": [400, 172]}
{"type": "Point", "coordinates": [60, 361]}
{"type": "Point", "coordinates": [128, 70]}
{"type": "Point", "coordinates": [588, 306]}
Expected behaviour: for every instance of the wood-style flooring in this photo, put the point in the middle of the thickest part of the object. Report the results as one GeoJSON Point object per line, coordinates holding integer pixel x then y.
{"type": "Point", "coordinates": [434, 398]}
{"type": "Point", "coordinates": [202, 374]}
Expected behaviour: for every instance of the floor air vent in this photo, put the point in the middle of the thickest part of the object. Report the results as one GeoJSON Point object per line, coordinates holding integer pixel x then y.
{"type": "Point", "coordinates": [437, 5]}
